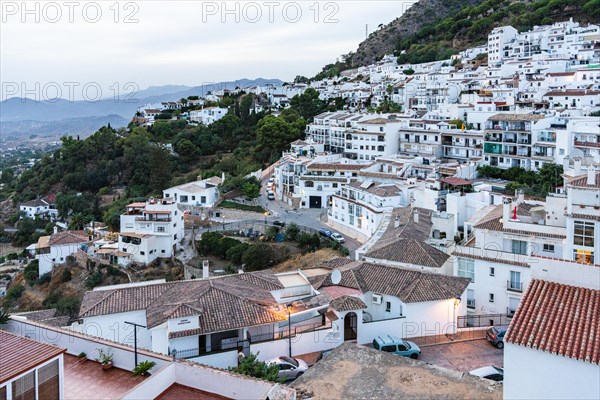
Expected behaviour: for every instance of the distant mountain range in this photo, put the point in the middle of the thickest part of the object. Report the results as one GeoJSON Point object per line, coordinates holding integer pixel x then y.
{"type": "Point", "coordinates": [21, 116]}
{"type": "Point", "coordinates": [83, 126]}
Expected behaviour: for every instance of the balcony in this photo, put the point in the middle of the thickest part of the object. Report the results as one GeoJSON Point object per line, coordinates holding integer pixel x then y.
{"type": "Point", "coordinates": [587, 144]}
{"type": "Point", "coordinates": [514, 286]}
{"type": "Point", "coordinates": [145, 219]}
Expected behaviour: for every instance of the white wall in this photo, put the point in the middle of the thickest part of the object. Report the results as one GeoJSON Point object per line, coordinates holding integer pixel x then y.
{"type": "Point", "coordinates": [76, 343]}
{"type": "Point", "coordinates": [535, 374]}
{"type": "Point", "coordinates": [224, 359]}
{"type": "Point", "coordinates": [113, 327]}
{"type": "Point", "coordinates": [307, 342]}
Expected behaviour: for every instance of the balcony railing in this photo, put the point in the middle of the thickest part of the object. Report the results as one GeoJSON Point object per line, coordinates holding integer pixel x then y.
{"type": "Point", "coordinates": [587, 144]}
{"type": "Point", "coordinates": [142, 219]}
{"type": "Point", "coordinates": [514, 286]}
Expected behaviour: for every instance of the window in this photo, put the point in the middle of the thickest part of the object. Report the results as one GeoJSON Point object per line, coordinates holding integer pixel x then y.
{"type": "Point", "coordinates": [549, 248]}
{"type": "Point", "coordinates": [492, 271]}
{"type": "Point", "coordinates": [515, 280]}
{"type": "Point", "coordinates": [402, 347]}
{"type": "Point", "coordinates": [583, 256]}
{"type": "Point", "coordinates": [160, 229]}
{"type": "Point", "coordinates": [519, 247]}
{"type": "Point", "coordinates": [466, 268]}
{"type": "Point", "coordinates": [24, 387]}
{"type": "Point", "coordinates": [143, 253]}
{"type": "Point", "coordinates": [388, 306]}
{"type": "Point", "coordinates": [492, 297]}
{"type": "Point", "coordinates": [162, 251]}
{"type": "Point", "coordinates": [49, 385]}
{"type": "Point", "coordinates": [389, 348]}
{"type": "Point", "coordinates": [583, 233]}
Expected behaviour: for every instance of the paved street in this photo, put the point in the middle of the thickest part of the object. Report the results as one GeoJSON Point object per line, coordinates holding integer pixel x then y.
{"type": "Point", "coordinates": [463, 356]}
{"type": "Point", "coordinates": [309, 217]}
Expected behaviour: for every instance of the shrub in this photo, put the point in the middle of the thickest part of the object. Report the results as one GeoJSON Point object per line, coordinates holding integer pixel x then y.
{"type": "Point", "coordinates": [66, 276]}
{"type": "Point", "coordinates": [14, 293]}
{"type": "Point", "coordinates": [45, 278]}
{"type": "Point", "coordinates": [143, 367]}
{"type": "Point", "coordinates": [251, 366]}
{"type": "Point", "coordinates": [31, 272]}
{"type": "Point", "coordinates": [94, 280]}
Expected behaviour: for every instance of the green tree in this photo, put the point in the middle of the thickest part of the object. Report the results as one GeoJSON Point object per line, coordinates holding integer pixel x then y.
{"type": "Point", "coordinates": [251, 190]}
{"type": "Point", "coordinates": [308, 104]}
{"type": "Point", "coordinates": [291, 232]}
{"type": "Point", "coordinates": [257, 257]}
{"type": "Point", "coordinates": [252, 366]}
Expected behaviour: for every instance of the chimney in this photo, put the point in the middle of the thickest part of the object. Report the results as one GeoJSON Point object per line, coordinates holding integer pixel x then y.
{"type": "Point", "coordinates": [205, 270]}
{"type": "Point", "coordinates": [396, 221]}
{"type": "Point", "coordinates": [591, 176]}
{"type": "Point", "coordinates": [55, 230]}
{"type": "Point", "coordinates": [506, 208]}
{"type": "Point", "coordinates": [577, 166]}
{"type": "Point", "coordinates": [520, 196]}
{"type": "Point", "coordinates": [416, 217]}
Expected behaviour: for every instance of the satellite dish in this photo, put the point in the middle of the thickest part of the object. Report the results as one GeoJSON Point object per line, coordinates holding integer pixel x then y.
{"type": "Point", "coordinates": [336, 276]}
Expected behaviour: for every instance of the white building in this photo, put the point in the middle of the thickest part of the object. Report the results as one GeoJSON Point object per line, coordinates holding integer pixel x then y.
{"type": "Point", "coordinates": [207, 115]}
{"type": "Point", "coordinates": [54, 249]}
{"type": "Point", "coordinates": [202, 193]}
{"type": "Point", "coordinates": [211, 320]}
{"type": "Point", "coordinates": [149, 231]}
{"type": "Point", "coordinates": [554, 334]}
{"type": "Point", "coordinates": [44, 207]}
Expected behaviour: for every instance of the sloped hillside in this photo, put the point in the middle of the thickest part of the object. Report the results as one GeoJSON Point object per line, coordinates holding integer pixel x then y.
{"type": "Point", "coordinates": [433, 29]}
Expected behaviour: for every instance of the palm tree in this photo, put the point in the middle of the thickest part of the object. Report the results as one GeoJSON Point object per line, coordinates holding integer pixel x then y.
{"type": "Point", "coordinates": [4, 317]}
{"type": "Point", "coordinates": [78, 220]}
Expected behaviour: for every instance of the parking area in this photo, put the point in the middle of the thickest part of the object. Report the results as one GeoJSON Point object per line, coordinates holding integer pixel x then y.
{"type": "Point", "coordinates": [463, 356]}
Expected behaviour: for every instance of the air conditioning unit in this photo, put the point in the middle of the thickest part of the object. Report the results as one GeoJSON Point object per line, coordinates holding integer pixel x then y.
{"type": "Point", "coordinates": [377, 298]}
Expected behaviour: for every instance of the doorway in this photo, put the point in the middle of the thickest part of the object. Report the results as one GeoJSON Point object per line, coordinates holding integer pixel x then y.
{"type": "Point", "coordinates": [350, 326]}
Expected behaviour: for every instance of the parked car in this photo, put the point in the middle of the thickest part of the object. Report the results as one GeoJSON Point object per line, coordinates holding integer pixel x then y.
{"type": "Point", "coordinates": [290, 368]}
{"type": "Point", "coordinates": [395, 345]}
{"type": "Point", "coordinates": [270, 195]}
{"type": "Point", "coordinates": [495, 335]}
{"type": "Point", "coordinates": [325, 232]}
{"type": "Point", "coordinates": [279, 223]}
{"type": "Point", "coordinates": [489, 372]}
{"type": "Point", "coordinates": [337, 237]}
{"type": "Point", "coordinates": [270, 181]}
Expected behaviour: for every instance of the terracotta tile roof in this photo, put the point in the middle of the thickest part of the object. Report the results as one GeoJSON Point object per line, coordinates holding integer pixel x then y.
{"type": "Point", "coordinates": [378, 189]}
{"type": "Point", "coordinates": [410, 251]}
{"type": "Point", "coordinates": [516, 117]}
{"type": "Point", "coordinates": [336, 167]}
{"type": "Point", "coordinates": [410, 286]}
{"type": "Point", "coordinates": [407, 227]}
{"type": "Point", "coordinates": [560, 319]}
{"type": "Point", "coordinates": [223, 303]}
{"type": "Point", "coordinates": [68, 237]}
{"type": "Point", "coordinates": [584, 216]}
{"type": "Point", "coordinates": [495, 260]}
{"type": "Point", "coordinates": [454, 181]}
{"type": "Point", "coordinates": [347, 303]}
{"type": "Point", "coordinates": [20, 354]}
{"type": "Point", "coordinates": [581, 182]}
{"type": "Point", "coordinates": [495, 224]}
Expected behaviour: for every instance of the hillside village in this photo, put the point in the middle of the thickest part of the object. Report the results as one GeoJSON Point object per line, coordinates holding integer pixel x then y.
{"type": "Point", "coordinates": [466, 193]}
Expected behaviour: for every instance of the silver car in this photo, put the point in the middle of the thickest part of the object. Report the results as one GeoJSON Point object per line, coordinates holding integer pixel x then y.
{"type": "Point", "coordinates": [290, 368]}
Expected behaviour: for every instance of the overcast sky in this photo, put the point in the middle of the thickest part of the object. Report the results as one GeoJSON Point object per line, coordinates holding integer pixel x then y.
{"type": "Point", "coordinates": [177, 42]}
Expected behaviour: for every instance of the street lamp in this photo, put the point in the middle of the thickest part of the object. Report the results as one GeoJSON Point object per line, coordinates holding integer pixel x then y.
{"type": "Point", "coordinates": [289, 310]}
{"type": "Point", "coordinates": [135, 326]}
{"type": "Point", "coordinates": [266, 214]}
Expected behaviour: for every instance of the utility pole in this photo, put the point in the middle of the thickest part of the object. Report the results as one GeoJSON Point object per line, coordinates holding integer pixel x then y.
{"type": "Point", "coordinates": [135, 326]}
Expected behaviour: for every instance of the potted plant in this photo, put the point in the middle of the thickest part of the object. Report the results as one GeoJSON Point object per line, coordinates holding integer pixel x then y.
{"type": "Point", "coordinates": [143, 367]}
{"type": "Point", "coordinates": [105, 357]}
{"type": "Point", "coordinates": [82, 355]}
